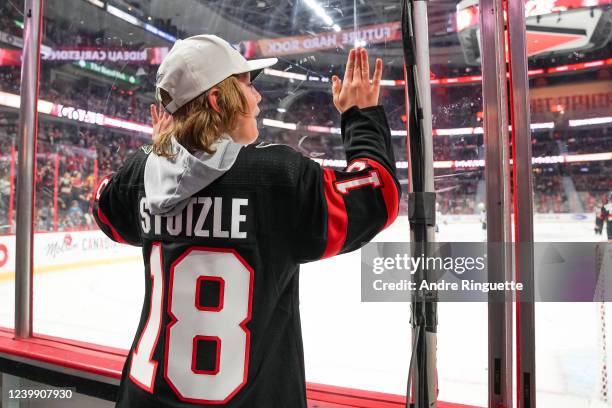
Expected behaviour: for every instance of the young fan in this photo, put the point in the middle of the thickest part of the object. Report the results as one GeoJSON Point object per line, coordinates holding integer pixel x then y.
{"type": "Point", "coordinates": [224, 225]}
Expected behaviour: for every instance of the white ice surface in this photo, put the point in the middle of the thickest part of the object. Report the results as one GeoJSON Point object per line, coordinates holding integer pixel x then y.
{"type": "Point", "coordinates": [347, 342]}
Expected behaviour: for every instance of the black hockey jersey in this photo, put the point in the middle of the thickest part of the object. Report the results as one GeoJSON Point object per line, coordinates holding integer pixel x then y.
{"type": "Point", "coordinates": [220, 324]}
{"type": "Point", "coordinates": [605, 215]}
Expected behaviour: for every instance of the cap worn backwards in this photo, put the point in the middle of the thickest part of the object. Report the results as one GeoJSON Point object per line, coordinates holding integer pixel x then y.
{"type": "Point", "coordinates": [196, 64]}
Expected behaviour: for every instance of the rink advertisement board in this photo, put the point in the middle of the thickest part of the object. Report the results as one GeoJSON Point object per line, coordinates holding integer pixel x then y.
{"type": "Point", "coordinates": [458, 272]}
{"type": "Point", "coordinates": [78, 249]}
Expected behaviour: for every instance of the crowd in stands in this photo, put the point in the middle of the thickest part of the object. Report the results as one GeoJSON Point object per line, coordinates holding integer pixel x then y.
{"type": "Point", "coordinates": [10, 78]}
{"type": "Point", "coordinates": [8, 14]}
{"type": "Point", "coordinates": [549, 193]}
{"type": "Point", "coordinates": [598, 183]}
{"type": "Point", "coordinates": [457, 190]}
{"type": "Point", "coordinates": [593, 201]}
{"type": "Point", "coordinates": [124, 101]}
{"type": "Point", "coordinates": [458, 148]}
{"type": "Point", "coordinates": [593, 183]}
{"type": "Point", "coordinates": [57, 32]}
{"type": "Point", "coordinates": [589, 141]}
{"type": "Point", "coordinates": [544, 143]}
{"type": "Point", "coordinates": [70, 161]}
{"type": "Point", "coordinates": [456, 203]}
{"type": "Point", "coordinates": [142, 10]}
{"type": "Point", "coordinates": [62, 32]}
{"type": "Point", "coordinates": [112, 101]}
{"type": "Point", "coordinates": [73, 157]}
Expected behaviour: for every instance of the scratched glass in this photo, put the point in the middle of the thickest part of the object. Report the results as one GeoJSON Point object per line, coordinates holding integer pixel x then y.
{"type": "Point", "coordinates": [98, 66]}
{"type": "Point", "coordinates": [569, 53]}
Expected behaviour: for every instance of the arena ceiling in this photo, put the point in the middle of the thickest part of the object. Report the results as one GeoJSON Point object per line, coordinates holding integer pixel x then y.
{"type": "Point", "coordinates": [296, 17]}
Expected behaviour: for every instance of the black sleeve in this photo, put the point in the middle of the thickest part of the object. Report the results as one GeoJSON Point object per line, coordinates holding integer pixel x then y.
{"type": "Point", "coordinates": [340, 211]}
{"type": "Point", "coordinates": [115, 203]}
{"type": "Point", "coordinates": [367, 134]}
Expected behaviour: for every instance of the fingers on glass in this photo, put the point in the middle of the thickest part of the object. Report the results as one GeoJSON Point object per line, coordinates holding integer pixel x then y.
{"type": "Point", "coordinates": [350, 66]}
{"type": "Point", "coordinates": [357, 74]}
{"type": "Point", "coordinates": [365, 65]}
{"type": "Point", "coordinates": [154, 116]}
{"type": "Point", "coordinates": [378, 70]}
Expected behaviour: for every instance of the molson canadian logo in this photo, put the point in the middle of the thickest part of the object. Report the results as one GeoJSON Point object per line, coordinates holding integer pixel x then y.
{"type": "Point", "coordinates": [83, 241]}
{"type": "Point", "coordinates": [59, 246]}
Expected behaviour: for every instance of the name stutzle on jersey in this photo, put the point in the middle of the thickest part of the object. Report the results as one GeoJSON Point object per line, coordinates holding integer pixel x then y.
{"type": "Point", "coordinates": [202, 217]}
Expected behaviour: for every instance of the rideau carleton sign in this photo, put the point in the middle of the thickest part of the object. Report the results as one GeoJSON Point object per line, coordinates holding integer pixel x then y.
{"type": "Point", "coordinates": [152, 56]}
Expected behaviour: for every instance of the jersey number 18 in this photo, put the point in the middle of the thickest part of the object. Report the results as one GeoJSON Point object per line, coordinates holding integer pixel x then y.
{"type": "Point", "coordinates": [224, 324]}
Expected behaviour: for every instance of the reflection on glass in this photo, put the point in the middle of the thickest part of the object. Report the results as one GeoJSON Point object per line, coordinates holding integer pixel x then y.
{"type": "Point", "coordinates": [11, 24]}
{"type": "Point", "coordinates": [98, 68]}
{"type": "Point", "coordinates": [96, 78]}
{"type": "Point", "coordinates": [570, 90]}
{"type": "Point", "coordinates": [569, 95]}
{"type": "Point", "coordinates": [99, 61]}
{"type": "Point", "coordinates": [458, 142]}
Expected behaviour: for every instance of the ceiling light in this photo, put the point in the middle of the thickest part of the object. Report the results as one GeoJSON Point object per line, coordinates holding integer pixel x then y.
{"type": "Point", "coordinates": [320, 11]}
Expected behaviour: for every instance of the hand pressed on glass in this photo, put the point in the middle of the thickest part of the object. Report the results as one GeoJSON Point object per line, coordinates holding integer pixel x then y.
{"type": "Point", "coordinates": [161, 120]}
{"type": "Point", "coordinates": [356, 89]}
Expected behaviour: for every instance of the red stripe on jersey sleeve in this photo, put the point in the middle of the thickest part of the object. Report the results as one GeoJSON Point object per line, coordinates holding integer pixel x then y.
{"type": "Point", "coordinates": [389, 190]}
{"type": "Point", "coordinates": [101, 216]}
{"type": "Point", "coordinates": [337, 219]}
{"type": "Point", "coordinates": [106, 222]}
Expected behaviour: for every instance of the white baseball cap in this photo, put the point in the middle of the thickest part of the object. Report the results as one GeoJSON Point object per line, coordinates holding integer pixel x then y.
{"type": "Point", "coordinates": [196, 64]}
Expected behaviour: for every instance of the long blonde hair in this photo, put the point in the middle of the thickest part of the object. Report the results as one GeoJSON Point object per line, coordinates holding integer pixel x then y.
{"type": "Point", "coordinates": [196, 125]}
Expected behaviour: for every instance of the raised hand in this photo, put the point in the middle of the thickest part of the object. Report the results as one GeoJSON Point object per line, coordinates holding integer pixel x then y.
{"type": "Point", "coordinates": [356, 88]}
{"type": "Point", "coordinates": [162, 120]}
